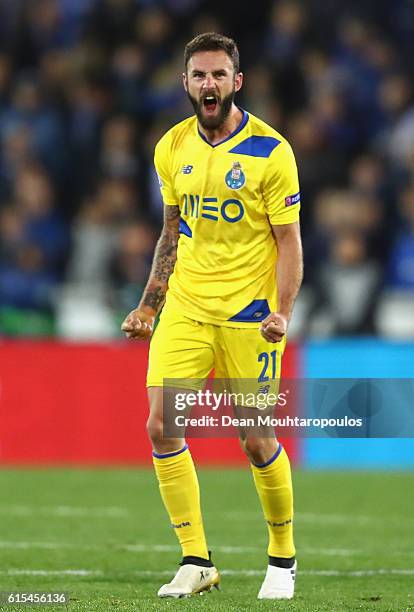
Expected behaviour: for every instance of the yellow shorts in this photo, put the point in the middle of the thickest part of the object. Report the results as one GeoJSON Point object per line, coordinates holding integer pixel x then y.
{"type": "Point", "coordinates": [182, 348]}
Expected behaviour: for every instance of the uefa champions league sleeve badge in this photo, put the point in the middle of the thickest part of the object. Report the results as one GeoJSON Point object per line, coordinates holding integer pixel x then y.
{"type": "Point", "coordinates": [235, 177]}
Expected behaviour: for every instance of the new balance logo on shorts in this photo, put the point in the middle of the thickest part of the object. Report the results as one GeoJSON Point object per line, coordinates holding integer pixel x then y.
{"type": "Point", "coordinates": [186, 524]}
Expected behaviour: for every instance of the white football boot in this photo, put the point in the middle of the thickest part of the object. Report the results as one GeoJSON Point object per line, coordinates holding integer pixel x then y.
{"type": "Point", "coordinates": [279, 583]}
{"type": "Point", "coordinates": [190, 580]}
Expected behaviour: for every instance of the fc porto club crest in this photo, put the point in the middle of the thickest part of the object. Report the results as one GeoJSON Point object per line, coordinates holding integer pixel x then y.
{"type": "Point", "coordinates": [235, 177]}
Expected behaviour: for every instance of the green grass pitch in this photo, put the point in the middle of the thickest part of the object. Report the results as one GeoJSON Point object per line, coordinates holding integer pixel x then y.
{"type": "Point", "coordinates": [103, 537]}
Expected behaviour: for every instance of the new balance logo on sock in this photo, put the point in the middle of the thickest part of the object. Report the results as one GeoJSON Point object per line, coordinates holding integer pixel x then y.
{"type": "Point", "coordinates": [185, 524]}
{"type": "Point", "coordinates": [201, 575]}
{"type": "Point", "coordinates": [279, 524]}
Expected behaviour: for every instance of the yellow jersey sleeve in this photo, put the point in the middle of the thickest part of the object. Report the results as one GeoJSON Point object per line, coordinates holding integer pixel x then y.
{"type": "Point", "coordinates": [162, 159]}
{"type": "Point", "coordinates": [281, 186]}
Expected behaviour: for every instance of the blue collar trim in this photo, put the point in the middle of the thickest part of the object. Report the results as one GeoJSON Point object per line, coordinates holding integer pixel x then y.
{"type": "Point", "coordinates": [238, 129]}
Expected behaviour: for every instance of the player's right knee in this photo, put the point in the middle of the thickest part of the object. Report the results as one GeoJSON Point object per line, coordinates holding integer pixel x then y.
{"type": "Point", "coordinates": [155, 430]}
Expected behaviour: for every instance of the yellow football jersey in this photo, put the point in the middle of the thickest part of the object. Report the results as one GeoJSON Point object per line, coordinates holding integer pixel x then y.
{"type": "Point", "coordinates": [229, 194]}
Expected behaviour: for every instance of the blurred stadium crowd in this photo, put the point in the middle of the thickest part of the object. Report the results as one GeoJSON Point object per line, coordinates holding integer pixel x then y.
{"type": "Point", "coordinates": [88, 86]}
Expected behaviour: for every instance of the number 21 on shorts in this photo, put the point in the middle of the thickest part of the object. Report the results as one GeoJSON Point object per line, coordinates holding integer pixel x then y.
{"type": "Point", "coordinates": [268, 363]}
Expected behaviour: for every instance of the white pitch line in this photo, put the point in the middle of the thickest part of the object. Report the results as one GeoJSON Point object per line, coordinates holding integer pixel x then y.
{"type": "Point", "coordinates": [228, 572]}
{"type": "Point", "coordinates": [66, 511]}
{"type": "Point", "coordinates": [331, 552]}
{"type": "Point", "coordinates": [334, 519]}
{"type": "Point", "coordinates": [119, 512]}
{"type": "Point", "coordinates": [42, 572]}
{"type": "Point", "coordinates": [45, 545]}
{"type": "Point", "coordinates": [141, 548]}
{"type": "Point", "coordinates": [321, 518]}
{"type": "Point", "coordinates": [351, 573]}
{"type": "Point", "coordinates": [173, 548]}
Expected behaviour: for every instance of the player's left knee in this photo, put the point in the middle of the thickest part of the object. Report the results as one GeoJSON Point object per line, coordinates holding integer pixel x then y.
{"type": "Point", "coordinates": [259, 450]}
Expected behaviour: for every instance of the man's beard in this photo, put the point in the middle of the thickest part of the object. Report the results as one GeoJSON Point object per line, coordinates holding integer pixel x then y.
{"type": "Point", "coordinates": [212, 123]}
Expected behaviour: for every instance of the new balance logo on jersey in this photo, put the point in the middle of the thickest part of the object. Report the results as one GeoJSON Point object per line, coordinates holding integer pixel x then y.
{"type": "Point", "coordinates": [187, 169]}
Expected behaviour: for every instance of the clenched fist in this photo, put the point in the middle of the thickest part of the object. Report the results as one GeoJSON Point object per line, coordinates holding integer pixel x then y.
{"type": "Point", "coordinates": [138, 324]}
{"type": "Point", "coordinates": [274, 327]}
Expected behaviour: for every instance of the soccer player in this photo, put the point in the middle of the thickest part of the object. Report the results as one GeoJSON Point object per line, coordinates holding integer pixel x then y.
{"type": "Point", "coordinates": [227, 269]}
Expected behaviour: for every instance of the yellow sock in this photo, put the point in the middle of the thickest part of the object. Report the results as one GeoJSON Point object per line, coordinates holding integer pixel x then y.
{"type": "Point", "coordinates": [180, 493]}
{"type": "Point", "coordinates": [274, 486]}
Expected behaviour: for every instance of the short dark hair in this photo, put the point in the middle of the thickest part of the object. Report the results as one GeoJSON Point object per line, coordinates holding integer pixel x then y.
{"type": "Point", "coordinates": [211, 41]}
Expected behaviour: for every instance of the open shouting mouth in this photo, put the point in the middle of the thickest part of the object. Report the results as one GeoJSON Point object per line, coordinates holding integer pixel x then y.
{"type": "Point", "coordinates": [210, 104]}
{"type": "Point", "coordinates": [211, 109]}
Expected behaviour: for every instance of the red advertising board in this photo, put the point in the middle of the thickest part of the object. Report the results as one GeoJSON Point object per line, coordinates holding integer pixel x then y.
{"type": "Point", "coordinates": [86, 404]}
